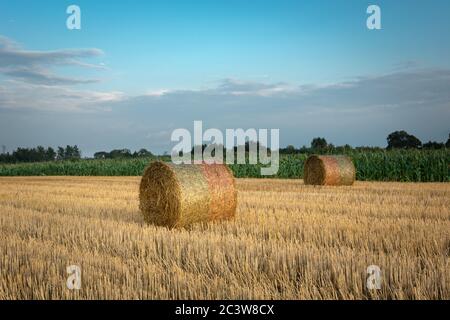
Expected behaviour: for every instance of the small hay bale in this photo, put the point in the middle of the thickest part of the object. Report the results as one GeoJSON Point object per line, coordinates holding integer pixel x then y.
{"type": "Point", "coordinates": [179, 195]}
{"type": "Point", "coordinates": [329, 170]}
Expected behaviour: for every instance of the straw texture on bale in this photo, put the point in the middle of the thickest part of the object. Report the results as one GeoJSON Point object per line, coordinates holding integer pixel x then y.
{"type": "Point", "coordinates": [179, 195]}
{"type": "Point", "coordinates": [329, 170]}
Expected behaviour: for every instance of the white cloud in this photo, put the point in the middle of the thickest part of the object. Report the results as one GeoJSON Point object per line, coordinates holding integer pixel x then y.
{"type": "Point", "coordinates": [26, 96]}
{"type": "Point", "coordinates": [239, 87]}
{"type": "Point", "coordinates": [35, 66]}
{"type": "Point", "coordinates": [157, 93]}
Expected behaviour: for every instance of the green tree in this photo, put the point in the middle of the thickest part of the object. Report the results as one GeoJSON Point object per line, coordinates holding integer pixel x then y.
{"type": "Point", "coordinates": [61, 153]}
{"type": "Point", "coordinates": [120, 153]}
{"type": "Point", "coordinates": [68, 152]}
{"type": "Point", "coordinates": [50, 154]}
{"type": "Point", "coordinates": [40, 154]}
{"type": "Point", "coordinates": [290, 149]}
{"type": "Point", "coordinates": [101, 155]}
{"type": "Point", "coordinates": [403, 140]}
{"type": "Point", "coordinates": [433, 145]}
{"type": "Point", "coordinates": [319, 143]}
{"type": "Point", "coordinates": [76, 152]}
{"type": "Point", "coordinates": [143, 153]}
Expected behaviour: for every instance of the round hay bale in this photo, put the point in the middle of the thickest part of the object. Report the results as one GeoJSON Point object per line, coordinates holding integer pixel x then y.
{"type": "Point", "coordinates": [179, 195]}
{"type": "Point", "coordinates": [329, 170]}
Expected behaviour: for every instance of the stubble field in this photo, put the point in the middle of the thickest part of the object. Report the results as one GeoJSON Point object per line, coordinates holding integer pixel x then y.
{"type": "Point", "coordinates": [288, 241]}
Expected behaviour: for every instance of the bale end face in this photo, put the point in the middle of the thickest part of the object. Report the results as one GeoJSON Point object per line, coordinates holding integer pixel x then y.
{"type": "Point", "coordinates": [159, 195]}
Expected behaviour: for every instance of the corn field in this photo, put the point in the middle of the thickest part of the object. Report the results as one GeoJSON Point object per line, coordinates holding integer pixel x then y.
{"type": "Point", "coordinates": [395, 165]}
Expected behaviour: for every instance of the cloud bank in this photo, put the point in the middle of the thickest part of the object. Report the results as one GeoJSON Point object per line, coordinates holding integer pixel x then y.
{"type": "Point", "coordinates": [38, 106]}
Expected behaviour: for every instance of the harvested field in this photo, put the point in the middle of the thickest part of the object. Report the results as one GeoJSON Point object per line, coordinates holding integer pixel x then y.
{"type": "Point", "coordinates": [288, 241]}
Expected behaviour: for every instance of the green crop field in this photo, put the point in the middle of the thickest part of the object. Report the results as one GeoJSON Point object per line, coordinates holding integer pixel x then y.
{"type": "Point", "coordinates": [395, 165]}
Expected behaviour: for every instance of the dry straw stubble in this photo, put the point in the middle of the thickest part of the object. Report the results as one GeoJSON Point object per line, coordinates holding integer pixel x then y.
{"type": "Point", "coordinates": [280, 246]}
{"type": "Point", "coordinates": [180, 195]}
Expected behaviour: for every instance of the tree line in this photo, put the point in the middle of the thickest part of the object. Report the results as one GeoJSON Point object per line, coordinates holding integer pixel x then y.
{"type": "Point", "coordinates": [40, 154]}
{"type": "Point", "coordinates": [395, 140]}
{"type": "Point", "coordinates": [122, 154]}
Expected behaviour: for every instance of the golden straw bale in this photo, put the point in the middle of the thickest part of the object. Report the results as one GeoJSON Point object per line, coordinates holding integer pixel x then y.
{"type": "Point", "coordinates": [179, 195]}
{"type": "Point", "coordinates": [329, 170]}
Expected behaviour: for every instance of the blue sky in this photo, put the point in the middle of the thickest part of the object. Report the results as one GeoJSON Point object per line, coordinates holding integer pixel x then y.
{"type": "Point", "coordinates": [139, 69]}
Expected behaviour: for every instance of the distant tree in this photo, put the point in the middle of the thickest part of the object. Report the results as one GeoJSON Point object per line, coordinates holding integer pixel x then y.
{"type": "Point", "coordinates": [433, 145]}
{"type": "Point", "coordinates": [40, 154]}
{"type": "Point", "coordinates": [6, 158]}
{"type": "Point", "coordinates": [331, 148]}
{"type": "Point", "coordinates": [101, 155]}
{"type": "Point", "coordinates": [447, 144]}
{"type": "Point", "coordinates": [50, 154]}
{"type": "Point", "coordinates": [402, 140]}
{"type": "Point", "coordinates": [348, 147]}
{"type": "Point", "coordinates": [68, 153]}
{"type": "Point", "coordinates": [319, 143]}
{"type": "Point", "coordinates": [342, 149]}
{"type": "Point", "coordinates": [21, 155]}
{"type": "Point", "coordinates": [290, 149]}
{"type": "Point", "coordinates": [120, 153]}
{"type": "Point", "coordinates": [72, 153]}
{"type": "Point", "coordinates": [31, 155]}
{"type": "Point", "coordinates": [61, 153]}
{"type": "Point", "coordinates": [76, 152]}
{"type": "Point", "coordinates": [304, 149]}
{"type": "Point", "coordinates": [143, 153]}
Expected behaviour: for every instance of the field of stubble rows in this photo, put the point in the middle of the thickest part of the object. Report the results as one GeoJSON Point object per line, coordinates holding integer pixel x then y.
{"type": "Point", "coordinates": [288, 241]}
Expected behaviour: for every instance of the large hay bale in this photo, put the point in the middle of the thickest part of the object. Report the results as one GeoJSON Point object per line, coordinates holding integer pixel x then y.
{"type": "Point", "coordinates": [179, 195]}
{"type": "Point", "coordinates": [329, 170]}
